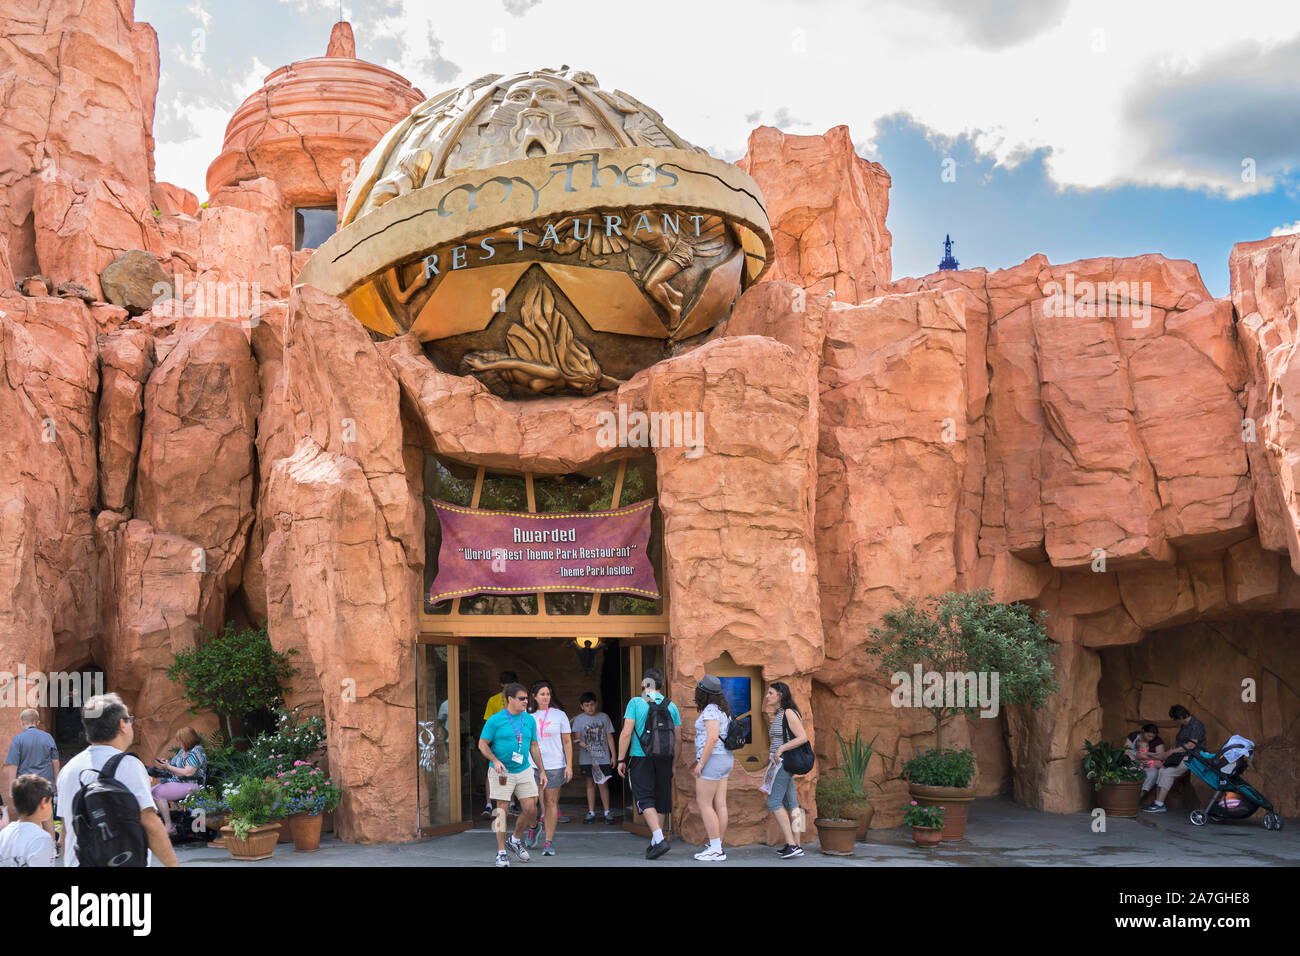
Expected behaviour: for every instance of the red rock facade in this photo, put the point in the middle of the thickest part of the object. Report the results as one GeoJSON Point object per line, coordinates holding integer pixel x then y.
{"type": "Point", "coordinates": [1129, 468]}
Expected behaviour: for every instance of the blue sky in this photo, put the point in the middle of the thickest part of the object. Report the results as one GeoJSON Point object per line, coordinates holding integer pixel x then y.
{"type": "Point", "coordinates": [1076, 129]}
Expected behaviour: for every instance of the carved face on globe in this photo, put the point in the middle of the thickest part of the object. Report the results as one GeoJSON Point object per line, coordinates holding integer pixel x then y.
{"type": "Point", "coordinates": [544, 236]}
{"type": "Point", "coordinates": [534, 109]}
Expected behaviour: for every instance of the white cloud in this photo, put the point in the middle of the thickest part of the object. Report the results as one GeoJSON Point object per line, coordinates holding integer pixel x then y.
{"type": "Point", "coordinates": [1289, 229]}
{"type": "Point", "coordinates": [1085, 81]}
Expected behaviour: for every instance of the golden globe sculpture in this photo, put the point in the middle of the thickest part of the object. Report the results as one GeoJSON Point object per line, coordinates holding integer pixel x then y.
{"type": "Point", "coordinates": [543, 235]}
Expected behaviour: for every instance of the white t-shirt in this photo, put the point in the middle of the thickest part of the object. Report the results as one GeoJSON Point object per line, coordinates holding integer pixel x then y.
{"type": "Point", "coordinates": [26, 844]}
{"type": "Point", "coordinates": [130, 772]}
{"type": "Point", "coordinates": [551, 723]}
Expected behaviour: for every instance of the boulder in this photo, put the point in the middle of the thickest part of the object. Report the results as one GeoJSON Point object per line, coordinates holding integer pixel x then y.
{"type": "Point", "coordinates": [135, 281]}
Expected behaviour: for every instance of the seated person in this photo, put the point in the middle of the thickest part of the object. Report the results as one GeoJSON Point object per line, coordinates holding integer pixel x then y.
{"type": "Point", "coordinates": [181, 776]}
{"type": "Point", "coordinates": [1147, 750]}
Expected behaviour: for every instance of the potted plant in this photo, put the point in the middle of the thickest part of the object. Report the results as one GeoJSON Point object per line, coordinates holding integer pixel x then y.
{"type": "Point", "coordinates": [943, 778]}
{"type": "Point", "coordinates": [854, 760]}
{"type": "Point", "coordinates": [308, 794]}
{"type": "Point", "coordinates": [256, 805]}
{"type": "Point", "coordinates": [1117, 780]}
{"type": "Point", "coordinates": [965, 634]}
{"type": "Point", "coordinates": [837, 809]}
{"type": "Point", "coordinates": [926, 822]}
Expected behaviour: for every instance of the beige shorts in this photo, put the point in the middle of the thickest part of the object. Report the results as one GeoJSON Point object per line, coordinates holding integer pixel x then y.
{"type": "Point", "coordinates": [1167, 775]}
{"type": "Point", "coordinates": [521, 785]}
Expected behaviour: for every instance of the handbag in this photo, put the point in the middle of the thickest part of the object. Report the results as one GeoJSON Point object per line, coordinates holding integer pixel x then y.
{"type": "Point", "coordinates": [798, 761]}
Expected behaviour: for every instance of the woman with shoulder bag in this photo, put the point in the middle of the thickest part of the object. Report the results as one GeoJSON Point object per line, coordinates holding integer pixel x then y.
{"type": "Point", "coordinates": [788, 740]}
{"type": "Point", "coordinates": [713, 763]}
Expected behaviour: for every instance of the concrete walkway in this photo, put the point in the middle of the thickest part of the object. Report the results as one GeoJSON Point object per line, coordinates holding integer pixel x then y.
{"type": "Point", "coordinates": [1000, 833]}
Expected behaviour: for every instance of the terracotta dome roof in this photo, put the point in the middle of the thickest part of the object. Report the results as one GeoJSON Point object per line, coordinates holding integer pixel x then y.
{"type": "Point", "coordinates": [310, 118]}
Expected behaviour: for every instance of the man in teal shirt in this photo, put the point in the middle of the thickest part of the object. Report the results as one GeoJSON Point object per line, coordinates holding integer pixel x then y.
{"type": "Point", "coordinates": [508, 740]}
{"type": "Point", "coordinates": [651, 777]}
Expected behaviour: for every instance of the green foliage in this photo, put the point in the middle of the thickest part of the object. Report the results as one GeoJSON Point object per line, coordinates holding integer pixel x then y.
{"type": "Point", "coordinates": [941, 768]}
{"type": "Point", "coordinates": [231, 673]}
{"type": "Point", "coordinates": [836, 799]}
{"type": "Point", "coordinates": [915, 815]}
{"type": "Point", "coordinates": [854, 760]}
{"type": "Point", "coordinates": [254, 801]}
{"type": "Point", "coordinates": [1103, 762]}
{"type": "Point", "coordinates": [965, 631]}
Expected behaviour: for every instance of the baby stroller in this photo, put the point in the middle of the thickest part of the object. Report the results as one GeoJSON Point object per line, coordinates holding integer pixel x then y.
{"type": "Point", "coordinates": [1234, 798]}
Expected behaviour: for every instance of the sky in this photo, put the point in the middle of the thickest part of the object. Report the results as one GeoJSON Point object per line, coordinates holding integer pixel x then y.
{"type": "Point", "coordinates": [1074, 128]}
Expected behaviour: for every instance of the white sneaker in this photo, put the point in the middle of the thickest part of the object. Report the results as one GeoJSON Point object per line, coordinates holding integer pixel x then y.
{"type": "Point", "coordinates": [517, 848]}
{"type": "Point", "coordinates": [503, 858]}
{"type": "Point", "coordinates": [710, 856]}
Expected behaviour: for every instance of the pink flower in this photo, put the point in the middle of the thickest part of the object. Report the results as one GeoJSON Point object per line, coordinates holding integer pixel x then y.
{"type": "Point", "coordinates": [913, 803]}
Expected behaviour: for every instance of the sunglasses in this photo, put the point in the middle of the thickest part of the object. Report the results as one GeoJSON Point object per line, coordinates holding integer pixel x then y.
{"type": "Point", "coordinates": [522, 700]}
{"type": "Point", "coordinates": [129, 718]}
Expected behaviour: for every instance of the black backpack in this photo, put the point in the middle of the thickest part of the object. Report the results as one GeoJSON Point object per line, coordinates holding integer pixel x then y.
{"type": "Point", "coordinates": [659, 736]}
{"type": "Point", "coordinates": [738, 733]}
{"type": "Point", "coordinates": [106, 820]}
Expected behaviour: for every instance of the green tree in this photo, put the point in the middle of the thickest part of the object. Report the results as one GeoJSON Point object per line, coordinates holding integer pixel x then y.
{"type": "Point", "coordinates": [233, 672]}
{"type": "Point", "coordinates": [965, 631]}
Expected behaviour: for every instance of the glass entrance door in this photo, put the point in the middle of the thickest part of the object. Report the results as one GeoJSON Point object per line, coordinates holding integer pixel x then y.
{"type": "Point", "coordinates": [442, 783]}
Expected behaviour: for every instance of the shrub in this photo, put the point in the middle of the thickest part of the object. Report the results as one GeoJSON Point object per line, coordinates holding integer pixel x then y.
{"type": "Point", "coordinates": [1103, 762]}
{"type": "Point", "coordinates": [967, 631]}
{"type": "Point", "coordinates": [297, 738]}
{"type": "Point", "coordinates": [836, 799]}
{"type": "Point", "coordinates": [941, 768]}
{"type": "Point", "coordinates": [856, 756]}
{"type": "Point", "coordinates": [254, 801]}
{"type": "Point", "coordinates": [233, 672]}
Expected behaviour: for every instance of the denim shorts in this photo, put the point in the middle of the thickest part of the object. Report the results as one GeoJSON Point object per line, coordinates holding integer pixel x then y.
{"type": "Point", "coordinates": [782, 792]}
{"type": "Point", "coordinates": [717, 767]}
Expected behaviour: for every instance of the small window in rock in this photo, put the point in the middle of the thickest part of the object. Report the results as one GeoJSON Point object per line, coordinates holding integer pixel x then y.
{"type": "Point", "coordinates": [313, 225]}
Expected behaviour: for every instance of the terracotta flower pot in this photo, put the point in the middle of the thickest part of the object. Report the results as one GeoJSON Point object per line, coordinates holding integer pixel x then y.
{"type": "Point", "coordinates": [836, 836]}
{"type": "Point", "coordinates": [1120, 799]}
{"type": "Point", "coordinates": [258, 845]}
{"type": "Point", "coordinates": [927, 836]}
{"type": "Point", "coordinates": [955, 802]}
{"type": "Point", "coordinates": [286, 831]}
{"type": "Point", "coordinates": [217, 824]}
{"type": "Point", "coordinates": [306, 831]}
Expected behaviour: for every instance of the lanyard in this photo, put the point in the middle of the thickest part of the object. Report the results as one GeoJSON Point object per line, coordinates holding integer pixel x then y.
{"type": "Point", "coordinates": [541, 732]}
{"type": "Point", "coordinates": [519, 730]}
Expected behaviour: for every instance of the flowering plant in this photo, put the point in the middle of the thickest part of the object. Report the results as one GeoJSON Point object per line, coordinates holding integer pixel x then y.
{"type": "Point", "coordinates": [297, 738]}
{"type": "Point", "coordinates": [206, 801]}
{"type": "Point", "coordinates": [307, 789]}
{"type": "Point", "coordinates": [915, 815]}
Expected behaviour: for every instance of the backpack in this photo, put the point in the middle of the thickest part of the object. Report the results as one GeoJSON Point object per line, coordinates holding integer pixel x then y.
{"type": "Point", "coordinates": [738, 733]}
{"type": "Point", "coordinates": [106, 820]}
{"type": "Point", "coordinates": [659, 736]}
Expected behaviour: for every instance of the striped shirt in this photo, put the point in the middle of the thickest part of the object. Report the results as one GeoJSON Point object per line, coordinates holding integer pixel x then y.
{"type": "Point", "coordinates": [776, 736]}
{"type": "Point", "coordinates": [191, 758]}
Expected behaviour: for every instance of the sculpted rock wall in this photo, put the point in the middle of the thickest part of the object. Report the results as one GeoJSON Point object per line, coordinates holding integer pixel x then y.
{"type": "Point", "coordinates": [343, 559]}
{"type": "Point", "coordinates": [77, 82]}
{"type": "Point", "coordinates": [827, 208]}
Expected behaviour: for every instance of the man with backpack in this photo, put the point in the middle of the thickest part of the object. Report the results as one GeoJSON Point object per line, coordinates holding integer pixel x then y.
{"type": "Point", "coordinates": [646, 750]}
{"type": "Point", "coordinates": [108, 813]}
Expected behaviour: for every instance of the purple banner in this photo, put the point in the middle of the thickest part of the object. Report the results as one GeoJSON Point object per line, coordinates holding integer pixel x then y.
{"type": "Point", "coordinates": [507, 552]}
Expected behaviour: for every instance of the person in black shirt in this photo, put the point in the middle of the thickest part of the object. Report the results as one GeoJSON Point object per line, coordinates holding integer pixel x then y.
{"type": "Point", "coordinates": [1191, 736]}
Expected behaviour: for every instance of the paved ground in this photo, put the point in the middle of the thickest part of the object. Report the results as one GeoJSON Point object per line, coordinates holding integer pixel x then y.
{"type": "Point", "coordinates": [999, 833]}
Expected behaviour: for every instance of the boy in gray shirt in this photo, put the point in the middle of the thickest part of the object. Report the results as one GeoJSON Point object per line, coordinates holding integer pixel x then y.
{"type": "Point", "coordinates": [594, 733]}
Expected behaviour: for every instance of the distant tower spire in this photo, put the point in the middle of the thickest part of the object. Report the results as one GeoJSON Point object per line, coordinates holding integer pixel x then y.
{"type": "Point", "coordinates": [948, 262]}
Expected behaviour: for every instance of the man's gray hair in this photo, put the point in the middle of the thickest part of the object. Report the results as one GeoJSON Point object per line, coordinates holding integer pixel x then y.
{"type": "Point", "coordinates": [101, 717]}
